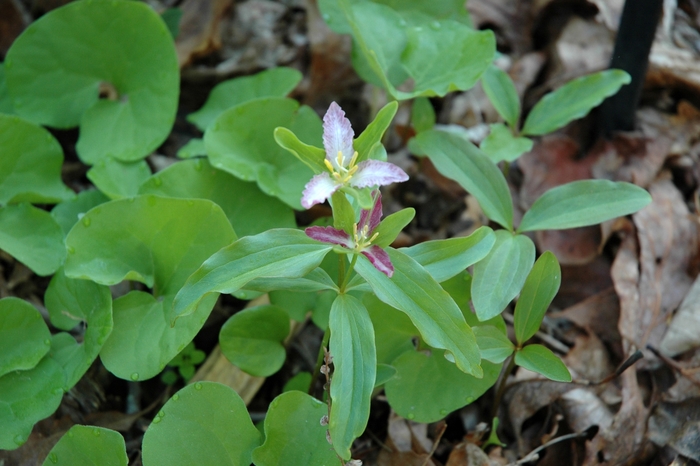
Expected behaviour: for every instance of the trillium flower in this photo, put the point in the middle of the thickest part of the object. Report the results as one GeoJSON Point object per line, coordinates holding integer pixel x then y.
{"type": "Point", "coordinates": [341, 161]}
{"type": "Point", "coordinates": [363, 235]}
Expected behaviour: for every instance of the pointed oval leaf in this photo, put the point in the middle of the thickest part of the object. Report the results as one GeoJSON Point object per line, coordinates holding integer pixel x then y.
{"type": "Point", "coordinates": [422, 114]}
{"type": "Point", "coordinates": [30, 166]}
{"type": "Point", "coordinates": [33, 237]}
{"type": "Point", "coordinates": [355, 371]}
{"type": "Point", "coordinates": [67, 213]}
{"type": "Point", "coordinates": [461, 161]}
{"type": "Point", "coordinates": [500, 144]}
{"type": "Point", "coordinates": [241, 142]}
{"type": "Point", "coordinates": [310, 155]}
{"type": "Point", "coordinates": [393, 330]}
{"type": "Point", "coordinates": [252, 339]}
{"type": "Point", "coordinates": [294, 434]}
{"type": "Point", "coordinates": [499, 277]}
{"type": "Point", "coordinates": [414, 291]}
{"type": "Point", "coordinates": [282, 253]}
{"type": "Point", "coordinates": [444, 259]}
{"type": "Point", "coordinates": [24, 337]}
{"type": "Point", "coordinates": [540, 287]}
{"type": "Point", "coordinates": [427, 387]}
{"type": "Point", "coordinates": [88, 446]}
{"type": "Point", "coordinates": [581, 203]}
{"type": "Point", "coordinates": [573, 100]}
{"type": "Point", "coordinates": [493, 342]}
{"type": "Point", "coordinates": [205, 423]}
{"type": "Point", "coordinates": [500, 90]}
{"type": "Point", "coordinates": [540, 359]}
{"type": "Point", "coordinates": [374, 132]}
{"type": "Point", "coordinates": [241, 201]}
{"type": "Point", "coordinates": [275, 82]}
{"type": "Point", "coordinates": [118, 179]}
{"type": "Point", "coordinates": [26, 397]}
{"type": "Point", "coordinates": [126, 53]}
{"type": "Point", "coordinates": [392, 225]}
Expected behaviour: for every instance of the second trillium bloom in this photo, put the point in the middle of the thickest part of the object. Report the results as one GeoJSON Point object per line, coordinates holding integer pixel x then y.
{"type": "Point", "coordinates": [341, 161]}
{"type": "Point", "coordinates": [362, 237]}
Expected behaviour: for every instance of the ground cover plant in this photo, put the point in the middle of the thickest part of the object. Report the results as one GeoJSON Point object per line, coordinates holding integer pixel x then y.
{"type": "Point", "coordinates": [278, 204]}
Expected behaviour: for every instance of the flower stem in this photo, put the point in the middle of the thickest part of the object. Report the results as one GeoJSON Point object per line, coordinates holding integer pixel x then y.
{"type": "Point", "coordinates": [346, 279]}
{"type": "Point", "coordinates": [502, 385]}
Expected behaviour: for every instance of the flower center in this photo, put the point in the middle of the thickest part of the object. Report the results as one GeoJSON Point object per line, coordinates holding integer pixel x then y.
{"type": "Point", "coordinates": [362, 238]}
{"type": "Point", "coordinates": [342, 174]}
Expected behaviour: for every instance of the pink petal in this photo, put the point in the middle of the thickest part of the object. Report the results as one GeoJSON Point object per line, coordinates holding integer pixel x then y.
{"type": "Point", "coordinates": [337, 135]}
{"type": "Point", "coordinates": [330, 235]}
{"type": "Point", "coordinates": [320, 188]}
{"type": "Point", "coordinates": [377, 173]}
{"type": "Point", "coordinates": [372, 217]}
{"type": "Point", "coordinates": [379, 259]}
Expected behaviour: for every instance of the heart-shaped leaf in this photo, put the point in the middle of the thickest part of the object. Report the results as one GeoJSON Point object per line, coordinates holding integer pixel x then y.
{"type": "Point", "coordinates": [218, 430]}
{"type": "Point", "coordinates": [30, 166]}
{"type": "Point", "coordinates": [125, 55]}
{"type": "Point", "coordinates": [67, 213]}
{"type": "Point", "coordinates": [119, 179]}
{"type": "Point", "coordinates": [89, 446]}
{"type": "Point", "coordinates": [24, 337]}
{"type": "Point", "coordinates": [5, 100]}
{"type": "Point", "coordinates": [540, 287]}
{"type": "Point", "coordinates": [540, 359]}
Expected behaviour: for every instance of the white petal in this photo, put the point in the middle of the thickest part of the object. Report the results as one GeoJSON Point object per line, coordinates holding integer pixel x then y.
{"type": "Point", "coordinates": [377, 173]}
{"type": "Point", "coordinates": [320, 188]}
{"type": "Point", "coordinates": [337, 135]}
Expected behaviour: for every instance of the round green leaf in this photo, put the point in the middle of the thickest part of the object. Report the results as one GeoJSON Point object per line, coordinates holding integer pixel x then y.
{"type": "Point", "coordinates": [205, 423]}
{"type": "Point", "coordinates": [33, 237]}
{"type": "Point", "coordinates": [26, 397]}
{"type": "Point", "coordinates": [540, 287]}
{"type": "Point", "coordinates": [59, 66]}
{"type": "Point", "coordinates": [275, 82]}
{"type": "Point", "coordinates": [30, 166]}
{"type": "Point", "coordinates": [67, 213]}
{"type": "Point", "coordinates": [294, 434]}
{"type": "Point", "coordinates": [252, 339]}
{"type": "Point", "coordinates": [427, 387]}
{"type": "Point", "coordinates": [499, 277]}
{"type": "Point", "coordinates": [581, 203]}
{"type": "Point", "coordinates": [573, 100]}
{"type": "Point", "coordinates": [501, 92]}
{"type": "Point", "coordinates": [88, 446]}
{"type": "Point", "coordinates": [24, 337]}
{"type": "Point", "coordinates": [5, 100]}
{"type": "Point", "coordinates": [241, 142]}
{"type": "Point", "coordinates": [119, 179]}
{"type": "Point", "coordinates": [241, 201]}
{"type": "Point", "coordinates": [300, 382]}
{"type": "Point", "coordinates": [393, 331]}
{"type": "Point", "coordinates": [540, 359]}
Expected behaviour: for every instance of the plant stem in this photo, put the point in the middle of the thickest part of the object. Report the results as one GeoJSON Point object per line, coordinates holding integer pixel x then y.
{"type": "Point", "coordinates": [346, 279]}
{"type": "Point", "coordinates": [341, 270]}
{"type": "Point", "coordinates": [319, 359]}
{"type": "Point", "coordinates": [502, 385]}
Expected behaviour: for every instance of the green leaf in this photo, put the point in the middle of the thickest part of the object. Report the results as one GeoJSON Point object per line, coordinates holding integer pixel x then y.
{"type": "Point", "coordinates": [193, 148]}
{"type": "Point", "coordinates": [252, 339]}
{"type": "Point", "coordinates": [60, 64]}
{"type": "Point", "coordinates": [30, 166]}
{"type": "Point", "coordinates": [538, 292]}
{"type": "Point", "coordinates": [32, 237]}
{"type": "Point", "coordinates": [494, 344]}
{"type": "Point", "coordinates": [282, 253]}
{"type": "Point", "coordinates": [581, 203]}
{"type": "Point", "coordinates": [343, 213]}
{"type": "Point", "coordinates": [461, 161]}
{"type": "Point", "coordinates": [500, 90]}
{"type": "Point", "coordinates": [385, 372]}
{"type": "Point", "coordinates": [88, 446]}
{"type": "Point", "coordinates": [159, 242]}
{"type": "Point", "coordinates": [67, 213]}
{"type": "Point", "coordinates": [392, 225]}
{"type": "Point", "coordinates": [374, 132]}
{"type": "Point", "coordinates": [241, 201]}
{"type": "Point", "coordinates": [427, 387]}
{"type": "Point", "coordinates": [394, 333]}
{"type": "Point", "coordinates": [294, 435]}
{"type": "Point", "coordinates": [422, 114]}
{"type": "Point", "coordinates": [205, 423]}
{"type": "Point", "coordinates": [5, 99]}
{"type": "Point", "coordinates": [311, 156]}
{"type": "Point", "coordinates": [414, 291]}
{"type": "Point", "coordinates": [573, 100]}
{"type": "Point", "coordinates": [540, 359]}
{"type": "Point", "coordinates": [500, 144]}
{"type": "Point", "coordinates": [275, 82]}
{"type": "Point", "coordinates": [300, 382]}
{"type": "Point", "coordinates": [26, 397]}
{"type": "Point", "coordinates": [444, 259]}
{"type": "Point", "coordinates": [296, 304]}
{"type": "Point", "coordinates": [355, 370]}
{"type": "Point", "coordinates": [24, 337]}
{"type": "Point", "coordinates": [171, 17]}
{"type": "Point", "coordinates": [69, 302]}
{"type": "Point", "coordinates": [241, 142]}
{"type": "Point", "coordinates": [499, 277]}
{"type": "Point", "coordinates": [119, 179]}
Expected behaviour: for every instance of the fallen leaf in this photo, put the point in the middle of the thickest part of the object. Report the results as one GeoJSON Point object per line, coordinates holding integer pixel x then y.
{"type": "Point", "coordinates": [583, 409]}
{"type": "Point", "coordinates": [677, 425]}
{"type": "Point", "coordinates": [200, 28]}
{"type": "Point", "coordinates": [683, 332]}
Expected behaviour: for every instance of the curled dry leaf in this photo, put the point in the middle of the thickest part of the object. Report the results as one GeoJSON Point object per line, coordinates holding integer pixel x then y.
{"type": "Point", "coordinates": [683, 333]}
{"type": "Point", "coordinates": [676, 425]}
{"type": "Point", "coordinates": [584, 46]}
{"type": "Point", "coordinates": [632, 158]}
{"type": "Point", "coordinates": [687, 381]}
{"type": "Point", "coordinates": [650, 270]}
{"type": "Point", "coordinates": [583, 409]}
{"type": "Point", "coordinates": [589, 358]}
{"type": "Point", "coordinates": [408, 442]}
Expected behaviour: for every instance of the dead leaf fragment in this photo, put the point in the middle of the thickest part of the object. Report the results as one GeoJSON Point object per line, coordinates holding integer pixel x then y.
{"type": "Point", "coordinates": [677, 425]}
{"type": "Point", "coordinates": [200, 28]}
